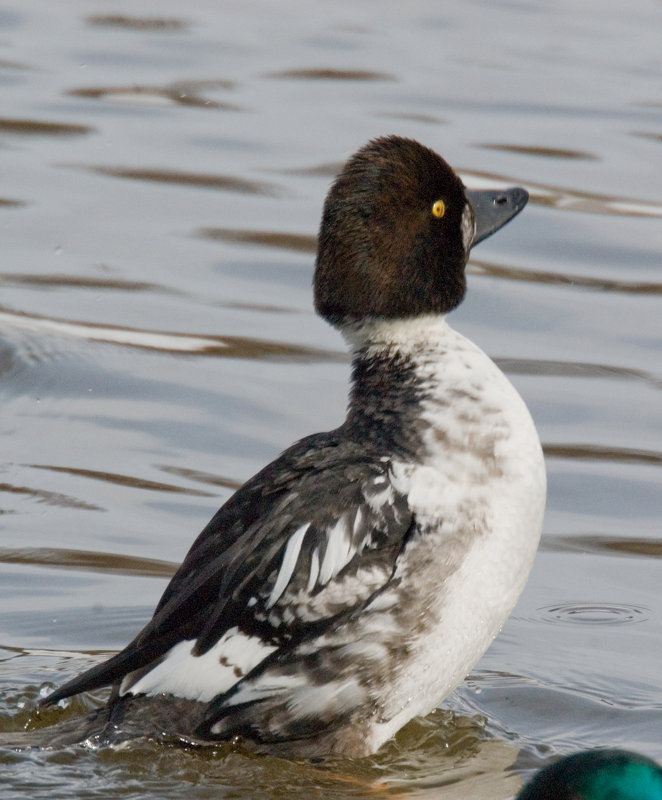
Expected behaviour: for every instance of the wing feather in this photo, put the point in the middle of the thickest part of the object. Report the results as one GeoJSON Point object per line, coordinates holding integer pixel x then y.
{"type": "Point", "coordinates": [307, 541]}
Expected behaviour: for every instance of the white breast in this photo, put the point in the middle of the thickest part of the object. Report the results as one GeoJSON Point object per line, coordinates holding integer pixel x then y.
{"type": "Point", "coordinates": [478, 495]}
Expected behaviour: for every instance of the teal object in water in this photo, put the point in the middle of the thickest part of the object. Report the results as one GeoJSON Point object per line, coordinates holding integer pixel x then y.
{"type": "Point", "coordinates": [597, 775]}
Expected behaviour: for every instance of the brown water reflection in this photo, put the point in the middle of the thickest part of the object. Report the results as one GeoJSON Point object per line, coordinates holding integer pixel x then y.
{"type": "Point", "coordinates": [51, 498]}
{"type": "Point", "coordinates": [63, 281]}
{"type": "Point", "coordinates": [33, 127]}
{"type": "Point", "coordinates": [201, 477]}
{"type": "Point", "coordinates": [179, 93]}
{"type": "Point", "coordinates": [601, 284]}
{"type": "Point", "coordinates": [112, 563]}
{"type": "Point", "coordinates": [541, 152]}
{"type": "Point", "coordinates": [175, 342]}
{"type": "Point", "coordinates": [298, 242]}
{"type": "Point", "coordinates": [596, 452]}
{"type": "Point", "coordinates": [575, 369]}
{"type": "Point", "coordinates": [603, 545]}
{"type": "Point", "coordinates": [226, 183]}
{"type": "Point", "coordinates": [130, 22]}
{"type": "Point", "coordinates": [123, 480]}
{"type": "Point", "coordinates": [328, 73]}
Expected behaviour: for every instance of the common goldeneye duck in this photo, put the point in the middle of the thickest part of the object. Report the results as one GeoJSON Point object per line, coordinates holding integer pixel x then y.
{"type": "Point", "coordinates": [353, 582]}
{"type": "Point", "coordinates": [597, 775]}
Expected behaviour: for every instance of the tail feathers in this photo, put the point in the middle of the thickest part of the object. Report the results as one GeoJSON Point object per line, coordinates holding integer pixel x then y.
{"type": "Point", "coordinates": [105, 674]}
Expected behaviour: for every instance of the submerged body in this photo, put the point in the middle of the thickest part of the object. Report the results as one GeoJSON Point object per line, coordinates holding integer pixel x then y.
{"type": "Point", "coordinates": [353, 583]}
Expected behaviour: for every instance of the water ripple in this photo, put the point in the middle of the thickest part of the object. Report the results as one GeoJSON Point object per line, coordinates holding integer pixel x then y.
{"type": "Point", "coordinates": [225, 183]}
{"type": "Point", "coordinates": [564, 199]}
{"type": "Point", "coordinates": [329, 74]}
{"type": "Point", "coordinates": [593, 614]}
{"type": "Point", "coordinates": [58, 281]}
{"type": "Point", "coordinates": [597, 452]}
{"type": "Point", "coordinates": [125, 21]}
{"type": "Point", "coordinates": [540, 152]}
{"type": "Point", "coordinates": [33, 127]}
{"type": "Point", "coordinates": [575, 369]}
{"type": "Point", "coordinates": [62, 558]}
{"type": "Point", "coordinates": [297, 242]}
{"type": "Point", "coordinates": [201, 477]}
{"type": "Point", "coordinates": [602, 545]}
{"type": "Point", "coordinates": [183, 343]}
{"type": "Point", "coordinates": [50, 498]}
{"type": "Point", "coordinates": [579, 281]}
{"type": "Point", "coordinates": [179, 93]}
{"type": "Point", "coordinates": [123, 480]}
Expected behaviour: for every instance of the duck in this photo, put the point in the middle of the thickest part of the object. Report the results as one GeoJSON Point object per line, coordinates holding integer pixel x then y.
{"type": "Point", "coordinates": [353, 582]}
{"type": "Point", "coordinates": [605, 774]}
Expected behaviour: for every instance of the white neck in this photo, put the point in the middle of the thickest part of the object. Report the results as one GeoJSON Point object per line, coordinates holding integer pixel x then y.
{"type": "Point", "coordinates": [406, 333]}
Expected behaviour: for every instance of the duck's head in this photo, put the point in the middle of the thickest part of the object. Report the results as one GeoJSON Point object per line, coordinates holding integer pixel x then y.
{"type": "Point", "coordinates": [396, 232]}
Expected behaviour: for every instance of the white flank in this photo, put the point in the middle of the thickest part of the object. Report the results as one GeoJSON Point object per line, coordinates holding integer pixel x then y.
{"type": "Point", "coordinates": [202, 677]}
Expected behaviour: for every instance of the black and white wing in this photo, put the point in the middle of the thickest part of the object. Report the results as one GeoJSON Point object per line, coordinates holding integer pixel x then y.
{"type": "Point", "coordinates": [300, 549]}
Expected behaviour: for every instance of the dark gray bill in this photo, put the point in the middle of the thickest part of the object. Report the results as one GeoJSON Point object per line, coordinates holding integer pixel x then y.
{"type": "Point", "coordinates": [493, 208]}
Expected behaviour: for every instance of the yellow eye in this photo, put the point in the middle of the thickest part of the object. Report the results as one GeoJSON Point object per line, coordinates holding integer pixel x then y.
{"type": "Point", "coordinates": [438, 209]}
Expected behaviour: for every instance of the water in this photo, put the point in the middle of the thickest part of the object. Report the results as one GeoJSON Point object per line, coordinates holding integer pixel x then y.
{"type": "Point", "coordinates": [162, 180]}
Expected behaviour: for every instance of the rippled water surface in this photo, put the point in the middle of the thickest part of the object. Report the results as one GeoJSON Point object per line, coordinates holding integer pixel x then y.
{"type": "Point", "coordinates": [163, 170]}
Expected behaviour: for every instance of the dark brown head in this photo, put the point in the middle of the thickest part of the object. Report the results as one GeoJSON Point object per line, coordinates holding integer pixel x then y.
{"type": "Point", "coordinates": [396, 232]}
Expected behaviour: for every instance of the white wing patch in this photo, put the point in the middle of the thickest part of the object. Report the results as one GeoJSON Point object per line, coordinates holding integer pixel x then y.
{"type": "Point", "coordinates": [338, 552]}
{"type": "Point", "coordinates": [313, 557]}
{"type": "Point", "coordinates": [203, 677]}
{"type": "Point", "coordinates": [290, 557]}
{"type": "Point", "coordinates": [382, 495]}
{"type": "Point", "coordinates": [314, 569]}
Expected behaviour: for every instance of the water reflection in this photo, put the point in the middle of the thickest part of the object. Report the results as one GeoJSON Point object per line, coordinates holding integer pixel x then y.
{"type": "Point", "coordinates": [226, 183]}
{"type": "Point", "coordinates": [541, 152]}
{"type": "Point", "coordinates": [94, 562]}
{"type": "Point", "coordinates": [575, 369]}
{"type": "Point", "coordinates": [51, 498]}
{"type": "Point", "coordinates": [596, 452]}
{"type": "Point", "coordinates": [179, 93]}
{"type": "Point", "coordinates": [123, 480]}
{"type": "Point", "coordinates": [63, 281]}
{"type": "Point", "coordinates": [566, 199]}
{"type": "Point", "coordinates": [603, 545]}
{"type": "Point", "coordinates": [130, 22]}
{"type": "Point", "coordinates": [200, 477]}
{"type": "Point", "coordinates": [33, 127]}
{"type": "Point", "coordinates": [297, 242]}
{"type": "Point", "coordinates": [176, 342]}
{"type": "Point", "coordinates": [601, 284]}
{"type": "Point", "coordinates": [330, 74]}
